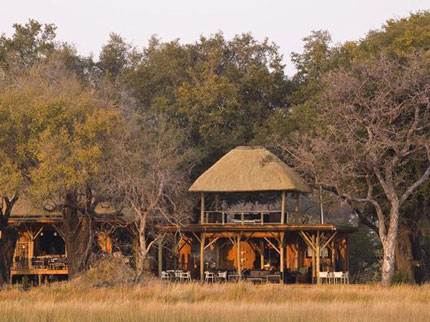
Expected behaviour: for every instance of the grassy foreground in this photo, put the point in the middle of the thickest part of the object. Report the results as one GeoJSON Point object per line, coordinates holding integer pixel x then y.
{"type": "Point", "coordinates": [231, 302]}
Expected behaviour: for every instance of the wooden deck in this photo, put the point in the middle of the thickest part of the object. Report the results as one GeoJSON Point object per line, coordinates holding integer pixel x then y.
{"type": "Point", "coordinates": [255, 227]}
{"type": "Point", "coordinates": [34, 271]}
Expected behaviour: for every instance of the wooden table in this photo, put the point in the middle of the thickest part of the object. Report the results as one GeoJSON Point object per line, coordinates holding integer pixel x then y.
{"type": "Point", "coordinates": [255, 279]}
{"type": "Point", "coordinates": [233, 277]}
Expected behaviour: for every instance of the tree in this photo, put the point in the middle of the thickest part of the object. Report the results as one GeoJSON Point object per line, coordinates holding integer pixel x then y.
{"type": "Point", "coordinates": [374, 121]}
{"type": "Point", "coordinates": [30, 44]}
{"type": "Point", "coordinates": [149, 175]}
{"type": "Point", "coordinates": [218, 91]}
{"type": "Point", "coordinates": [398, 39]}
{"type": "Point", "coordinates": [117, 56]}
{"type": "Point", "coordinates": [76, 131]}
{"type": "Point", "coordinates": [19, 132]}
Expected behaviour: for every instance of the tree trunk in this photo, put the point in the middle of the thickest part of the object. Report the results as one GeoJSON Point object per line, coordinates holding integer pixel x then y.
{"type": "Point", "coordinates": [388, 263]}
{"type": "Point", "coordinates": [8, 240]}
{"type": "Point", "coordinates": [142, 252]}
{"type": "Point", "coordinates": [389, 245]}
{"type": "Point", "coordinates": [405, 260]}
{"type": "Point", "coordinates": [79, 236]}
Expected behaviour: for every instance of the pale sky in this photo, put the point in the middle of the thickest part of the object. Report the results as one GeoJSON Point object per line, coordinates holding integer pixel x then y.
{"type": "Point", "coordinates": [87, 24]}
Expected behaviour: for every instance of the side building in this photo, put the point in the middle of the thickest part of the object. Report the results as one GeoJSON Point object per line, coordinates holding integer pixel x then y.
{"type": "Point", "coordinates": [40, 252]}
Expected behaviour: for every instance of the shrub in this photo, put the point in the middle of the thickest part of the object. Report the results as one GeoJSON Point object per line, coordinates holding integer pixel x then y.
{"type": "Point", "coordinates": [109, 270]}
{"type": "Point", "coordinates": [400, 277]}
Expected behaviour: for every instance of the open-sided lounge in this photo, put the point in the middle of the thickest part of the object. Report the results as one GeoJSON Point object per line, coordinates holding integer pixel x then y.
{"type": "Point", "coordinates": [259, 245]}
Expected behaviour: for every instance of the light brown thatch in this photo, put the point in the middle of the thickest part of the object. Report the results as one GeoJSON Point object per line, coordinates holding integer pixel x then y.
{"type": "Point", "coordinates": [246, 169]}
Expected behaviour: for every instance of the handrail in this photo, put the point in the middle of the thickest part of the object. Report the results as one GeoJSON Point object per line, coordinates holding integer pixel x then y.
{"type": "Point", "coordinates": [295, 216]}
{"type": "Point", "coordinates": [243, 211]}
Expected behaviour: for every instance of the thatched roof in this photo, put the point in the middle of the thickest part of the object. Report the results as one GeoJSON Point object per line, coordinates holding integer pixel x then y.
{"type": "Point", "coordinates": [247, 169]}
{"type": "Point", "coordinates": [25, 207]}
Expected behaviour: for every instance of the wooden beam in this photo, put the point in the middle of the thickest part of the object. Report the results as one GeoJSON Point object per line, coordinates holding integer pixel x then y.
{"type": "Point", "coordinates": [212, 241]}
{"type": "Point", "coordinates": [239, 257]}
{"type": "Point", "coordinates": [321, 206]}
{"type": "Point", "coordinates": [60, 232]}
{"type": "Point", "coordinates": [313, 259]}
{"type": "Point", "coordinates": [202, 208]}
{"type": "Point", "coordinates": [348, 254]}
{"type": "Point", "coordinates": [318, 254]}
{"type": "Point", "coordinates": [333, 254]}
{"type": "Point", "coordinates": [282, 255]}
{"type": "Point", "coordinates": [160, 256]}
{"type": "Point", "coordinates": [222, 245]}
{"type": "Point", "coordinates": [307, 239]}
{"type": "Point", "coordinates": [329, 240]}
{"type": "Point", "coordinates": [202, 257]}
{"type": "Point", "coordinates": [297, 202]}
{"type": "Point", "coordinates": [37, 234]}
{"type": "Point", "coordinates": [197, 237]}
{"type": "Point", "coordinates": [248, 237]}
{"type": "Point", "coordinates": [271, 244]}
{"type": "Point", "coordinates": [261, 254]}
{"type": "Point", "coordinates": [283, 208]}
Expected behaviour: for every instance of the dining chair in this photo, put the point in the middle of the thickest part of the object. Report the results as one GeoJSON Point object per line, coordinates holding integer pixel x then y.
{"type": "Point", "coordinates": [209, 277]}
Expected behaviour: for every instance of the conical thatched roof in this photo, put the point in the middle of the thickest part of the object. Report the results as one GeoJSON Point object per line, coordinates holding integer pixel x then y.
{"type": "Point", "coordinates": [246, 169]}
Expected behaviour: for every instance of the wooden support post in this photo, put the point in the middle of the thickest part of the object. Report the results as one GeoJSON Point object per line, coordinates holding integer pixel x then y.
{"type": "Point", "coordinates": [347, 255]}
{"type": "Point", "coordinates": [176, 252]}
{"type": "Point", "coordinates": [282, 254]}
{"type": "Point", "coordinates": [30, 253]}
{"type": "Point", "coordinates": [297, 207]}
{"type": "Point", "coordinates": [217, 255]}
{"type": "Point", "coordinates": [318, 255]}
{"type": "Point", "coordinates": [333, 250]}
{"type": "Point", "coordinates": [160, 256]}
{"type": "Point", "coordinates": [202, 257]}
{"type": "Point", "coordinates": [239, 256]}
{"type": "Point", "coordinates": [217, 202]}
{"type": "Point", "coordinates": [283, 208]}
{"type": "Point", "coordinates": [261, 254]}
{"type": "Point", "coordinates": [321, 206]}
{"type": "Point", "coordinates": [313, 259]}
{"type": "Point", "coordinates": [202, 208]}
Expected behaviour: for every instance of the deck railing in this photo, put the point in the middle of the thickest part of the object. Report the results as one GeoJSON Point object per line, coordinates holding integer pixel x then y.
{"type": "Point", "coordinates": [253, 217]}
{"type": "Point", "coordinates": [39, 263]}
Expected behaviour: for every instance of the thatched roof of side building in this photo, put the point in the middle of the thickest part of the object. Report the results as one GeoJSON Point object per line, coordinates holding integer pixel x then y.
{"type": "Point", "coordinates": [248, 169]}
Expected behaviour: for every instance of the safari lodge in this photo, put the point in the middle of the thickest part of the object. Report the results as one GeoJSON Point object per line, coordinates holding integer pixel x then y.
{"type": "Point", "coordinates": [257, 239]}
{"type": "Point", "coordinates": [250, 227]}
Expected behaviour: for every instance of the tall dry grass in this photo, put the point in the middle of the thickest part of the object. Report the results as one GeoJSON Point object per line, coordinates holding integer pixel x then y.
{"type": "Point", "coordinates": [157, 301]}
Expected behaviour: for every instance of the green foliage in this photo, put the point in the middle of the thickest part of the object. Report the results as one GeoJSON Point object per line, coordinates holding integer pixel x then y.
{"type": "Point", "coordinates": [116, 57]}
{"type": "Point", "coordinates": [219, 91]}
{"type": "Point", "coordinates": [78, 130]}
{"type": "Point", "coordinates": [400, 277]}
{"type": "Point", "coordinates": [31, 43]}
{"type": "Point", "coordinates": [398, 37]}
{"type": "Point", "coordinates": [366, 255]}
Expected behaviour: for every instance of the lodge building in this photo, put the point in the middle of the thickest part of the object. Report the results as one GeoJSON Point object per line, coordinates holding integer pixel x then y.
{"type": "Point", "coordinates": [252, 242]}
{"type": "Point", "coordinates": [244, 228]}
{"type": "Point", "coordinates": [40, 252]}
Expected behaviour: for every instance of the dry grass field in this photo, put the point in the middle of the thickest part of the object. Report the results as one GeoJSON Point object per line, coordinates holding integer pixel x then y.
{"type": "Point", "coordinates": [231, 302]}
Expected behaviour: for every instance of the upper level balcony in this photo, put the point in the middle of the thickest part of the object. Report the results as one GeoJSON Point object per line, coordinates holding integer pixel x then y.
{"type": "Point", "coordinates": [250, 171]}
{"type": "Point", "coordinates": [254, 217]}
